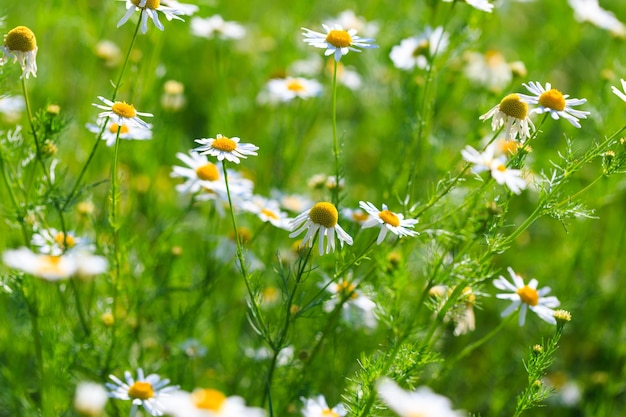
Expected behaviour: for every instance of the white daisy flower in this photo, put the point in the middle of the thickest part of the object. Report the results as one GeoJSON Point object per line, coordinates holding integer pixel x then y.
{"type": "Point", "coordinates": [482, 5]}
{"type": "Point", "coordinates": [121, 113]}
{"type": "Point", "coordinates": [550, 100]}
{"type": "Point", "coordinates": [287, 89]}
{"type": "Point", "coordinates": [618, 92]}
{"type": "Point", "coordinates": [20, 45]}
{"type": "Point", "coordinates": [358, 215]}
{"type": "Point", "coordinates": [11, 108]}
{"type": "Point", "coordinates": [526, 297]}
{"type": "Point", "coordinates": [284, 358]}
{"type": "Point", "coordinates": [421, 402]}
{"type": "Point", "coordinates": [149, 9]}
{"type": "Point", "coordinates": [418, 51]}
{"type": "Point", "coordinates": [90, 399]}
{"type": "Point", "coordinates": [296, 203]}
{"type": "Point", "coordinates": [216, 27]}
{"type": "Point", "coordinates": [496, 165]}
{"type": "Point", "coordinates": [223, 147]}
{"type": "Point", "coordinates": [55, 242]}
{"type": "Point", "coordinates": [321, 217]}
{"type": "Point", "coordinates": [184, 8]}
{"type": "Point", "coordinates": [512, 113]}
{"type": "Point", "coordinates": [489, 69]}
{"type": "Point", "coordinates": [387, 221]}
{"type": "Point", "coordinates": [147, 391]}
{"type": "Point", "coordinates": [358, 308]}
{"type": "Point", "coordinates": [208, 403]}
{"type": "Point", "coordinates": [590, 11]}
{"type": "Point", "coordinates": [55, 267]}
{"type": "Point", "coordinates": [337, 41]}
{"type": "Point", "coordinates": [268, 211]}
{"type": "Point", "coordinates": [318, 407]}
{"type": "Point", "coordinates": [126, 131]}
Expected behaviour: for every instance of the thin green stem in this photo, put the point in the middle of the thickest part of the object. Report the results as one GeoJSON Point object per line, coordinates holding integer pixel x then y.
{"type": "Point", "coordinates": [336, 146]}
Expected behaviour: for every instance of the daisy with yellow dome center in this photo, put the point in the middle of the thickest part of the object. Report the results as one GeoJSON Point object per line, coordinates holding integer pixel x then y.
{"type": "Point", "coordinates": [512, 113]}
{"type": "Point", "coordinates": [147, 391]}
{"type": "Point", "coordinates": [321, 217]}
{"type": "Point", "coordinates": [224, 147]}
{"type": "Point", "coordinates": [121, 113]}
{"type": "Point", "coordinates": [421, 402]}
{"type": "Point", "coordinates": [204, 402]}
{"type": "Point", "coordinates": [318, 407]}
{"type": "Point", "coordinates": [337, 41]}
{"type": "Point", "coordinates": [387, 221]}
{"type": "Point", "coordinates": [149, 9]}
{"type": "Point", "coordinates": [552, 101]}
{"type": "Point", "coordinates": [526, 296]}
{"type": "Point", "coordinates": [20, 45]}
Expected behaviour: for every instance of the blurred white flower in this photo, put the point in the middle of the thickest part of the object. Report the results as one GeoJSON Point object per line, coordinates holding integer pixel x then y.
{"type": "Point", "coordinates": [421, 402]}
{"type": "Point", "coordinates": [357, 308]}
{"type": "Point", "coordinates": [53, 268]}
{"type": "Point", "coordinates": [126, 131]}
{"type": "Point", "coordinates": [590, 11]}
{"type": "Point", "coordinates": [418, 51]}
{"type": "Point", "coordinates": [482, 5]}
{"type": "Point", "coordinates": [490, 69]}
{"type": "Point", "coordinates": [216, 27]}
{"type": "Point", "coordinates": [208, 403]}
{"type": "Point", "coordinates": [318, 407]}
{"type": "Point", "coordinates": [349, 19]}
{"type": "Point", "coordinates": [90, 399]}
{"type": "Point", "coordinates": [286, 89]}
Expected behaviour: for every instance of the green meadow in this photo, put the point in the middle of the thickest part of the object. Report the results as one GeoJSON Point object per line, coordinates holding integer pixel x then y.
{"type": "Point", "coordinates": [219, 275]}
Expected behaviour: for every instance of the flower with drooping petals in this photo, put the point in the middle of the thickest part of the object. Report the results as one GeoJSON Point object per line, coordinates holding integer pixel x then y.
{"type": "Point", "coordinates": [20, 45]}
{"type": "Point", "coordinates": [512, 113]}
{"type": "Point", "coordinates": [321, 217]}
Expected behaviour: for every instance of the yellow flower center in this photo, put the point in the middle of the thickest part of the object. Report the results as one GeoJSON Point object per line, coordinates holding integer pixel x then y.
{"type": "Point", "coordinates": [329, 413]}
{"type": "Point", "coordinates": [494, 59]}
{"type": "Point", "coordinates": [124, 109]}
{"type": "Point", "coordinates": [50, 264]}
{"type": "Point", "coordinates": [141, 390]}
{"type": "Point", "coordinates": [114, 127]}
{"type": "Point", "coordinates": [512, 106]}
{"type": "Point", "coordinates": [347, 289]}
{"type": "Point", "coordinates": [389, 218]}
{"type": "Point", "coordinates": [422, 49]}
{"type": "Point", "coordinates": [501, 167]}
{"type": "Point", "coordinates": [20, 39]}
{"type": "Point", "coordinates": [208, 399]}
{"type": "Point", "coordinates": [339, 38]}
{"type": "Point", "coordinates": [150, 4]}
{"type": "Point", "coordinates": [416, 414]}
{"type": "Point", "coordinates": [61, 239]}
{"type": "Point", "coordinates": [528, 295]}
{"type": "Point", "coordinates": [360, 217]}
{"type": "Point", "coordinates": [296, 86]}
{"type": "Point", "coordinates": [224, 144]}
{"type": "Point", "coordinates": [324, 213]}
{"type": "Point", "coordinates": [269, 213]}
{"type": "Point", "coordinates": [509, 147]}
{"type": "Point", "coordinates": [208, 172]}
{"type": "Point", "coordinates": [552, 99]}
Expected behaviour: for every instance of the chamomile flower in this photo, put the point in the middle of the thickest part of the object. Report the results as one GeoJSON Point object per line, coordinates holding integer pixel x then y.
{"type": "Point", "coordinates": [387, 221]}
{"type": "Point", "coordinates": [208, 403]}
{"type": "Point", "coordinates": [147, 391]}
{"type": "Point", "coordinates": [357, 307]}
{"type": "Point", "coordinates": [216, 27]}
{"type": "Point", "coordinates": [318, 407]}
{"type": "Point", "coordinates": [489, 69]}
{"type": "Point", "coordinates": [421, 402]}
{"type": "Point", "coordinates": [121, 113]}
{"type": "Point", "coordinates": [590, 11]}
{"type": "Point", "coordinates": [358, 216]}
{"type": "Point", "coordinates": [224, 147]}
{"type": "Point", "coordinates": [618, 92]}
{"type": "Point", "coordinates": [20, 45]}
{"type": "Point", "coordinates": [337, 41]}
{"type": "Point", "coordinates": [54, 242]}
{"type": "Point", "coordinates": [55, 267]}
{"type": "Point", "coordinates": [126, 131]}
{"type": "Point", "coordinates": [90, 399]}
{"type": "Point", "coordinates": [512, 113]}
{"type": "Point", "coordinates": [287, 89]}
{"type": "Point", "coordinates": [322, 217]}
{"type": "Point", "coordinates": [551, 100]}
{"type": "Point", "coordinates": [418, 51]}
{"type": "Point", "coordinates": [149, 9]}
{"type": "Point", "coordinates": [482, 5]}
{"type": "Point", "coordinates": [496, 165]}
{"type": "Point", "coordinates": [526, 296]}
{"type": "Point", "coordinates": [268, 211]}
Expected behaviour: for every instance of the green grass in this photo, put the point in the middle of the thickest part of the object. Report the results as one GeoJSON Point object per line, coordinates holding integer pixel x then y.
{"type": "Point", "coordinates": [179, 277]}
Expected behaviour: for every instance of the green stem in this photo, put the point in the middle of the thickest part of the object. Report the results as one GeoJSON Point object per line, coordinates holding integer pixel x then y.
{"type": "Point", "coordinates": [336, 148]}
